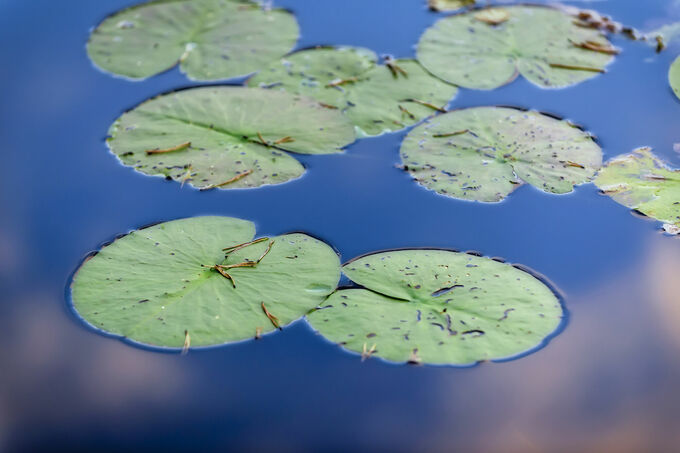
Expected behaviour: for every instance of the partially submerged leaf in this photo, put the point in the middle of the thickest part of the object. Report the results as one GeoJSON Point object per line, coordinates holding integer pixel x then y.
{"type": "Point", "coordinates": [643, 182]}
{"type": "Point", "coordinates": [159, 286]}
{"type": "Point", "coordinates": [484, 153]}
{"type": "Point", "coordinates": [226, 137]}
{"type": "Point", "coordinates": [438, 307]}
{"type": "Point", "coordinates": [674, 76]}
{"type": "Point", "coordinates": [209, 39]}
{"type": "Point", "coordinates": [541, 43]}
{"type": "Point", "coordinates": [449, 5]}
{"type": "Point", "coordinates": [376, 98]}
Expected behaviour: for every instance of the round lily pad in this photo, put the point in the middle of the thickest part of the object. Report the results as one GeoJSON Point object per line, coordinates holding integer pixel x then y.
{"type": "Point", "coordinates": [160, 285]}
{"type": "Point", "coordinates": [487, 48]}
{"type": "Point", "coordinates": [643, 182]}
{"type": "Point", "coordinates": [375, 97]}
{"type": "Point", "coordinates": [674, 77]}
{"type": "Point", "coordinates": [438, 307]}
{"type": "Point", "coordinates": [227, 137]}
{"type": "Point", "coordinates": [209, 39]}
{"type": "Point", "coordinates": [484, 153]}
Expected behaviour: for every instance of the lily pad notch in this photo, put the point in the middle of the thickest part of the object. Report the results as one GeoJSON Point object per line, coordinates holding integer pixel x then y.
{"type": "Point", "coordinates": [486, 48]}
{"type": "Point", "coordinates": [485, 153]}
{"type": "Point", "coordinates": [433, 306]}
{"type": "Point", "coordinates": [208, 39]}
{"type": "Point", "coordinates": [643, 182]}
{"type": "Point", "coordinates": [200, 282]}
{"type": "Point", "coordinates": [376, 98]}
{"type": "Point", "coordinates": [226, 137]}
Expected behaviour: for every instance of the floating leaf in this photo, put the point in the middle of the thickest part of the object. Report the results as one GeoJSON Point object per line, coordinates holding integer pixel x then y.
{"type": "Point", "coordinates": [644, 182]}
{"type": "Point", "coordinates": [449, 5]}
{"type": "Point", "coordinates": [376, 98]}
{"type": "Point", "coordinates": [674, 77]}
{"type": "Point", "coordinates": [484, 153]}
{"type": "Point", "coordinates": [541, 43]}
{"type": "Point", "coordinates": [210, 39]}
{"type": "Point", "coordinates": [439, 307]}
{"type": "Point", "coordinates": [226, 137]}
{"type": "Point", "coordinates": [159, 285]}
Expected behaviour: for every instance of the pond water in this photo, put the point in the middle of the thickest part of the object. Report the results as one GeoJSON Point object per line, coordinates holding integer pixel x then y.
{"type": "Point", "coordinates": [608, 382]}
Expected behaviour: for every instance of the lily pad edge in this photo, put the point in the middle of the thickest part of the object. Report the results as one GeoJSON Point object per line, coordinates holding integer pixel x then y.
{"type": "Point", "coordinates": [71, 308]}
{"type": "Point", "coordinates": [559, 295]}
{"type": "Point", "coordinates": [177, 66]}
{"type": "Point", "coordinates": [554, 116]}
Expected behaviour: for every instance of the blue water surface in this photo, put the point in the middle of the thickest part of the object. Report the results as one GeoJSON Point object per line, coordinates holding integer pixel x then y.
{"type": "Point", "coordinates": [608, 382]}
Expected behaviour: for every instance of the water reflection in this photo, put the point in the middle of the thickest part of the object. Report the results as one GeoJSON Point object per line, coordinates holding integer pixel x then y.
{"type": "Point", "coordinates": [57, 375]}
{"type": "Point", "coordinates": [608, 383]}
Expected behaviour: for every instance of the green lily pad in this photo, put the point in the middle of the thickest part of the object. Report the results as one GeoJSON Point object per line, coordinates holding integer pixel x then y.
{"type": "Point", "coordinates": [227, 137]}
{"type": "Point", "coordinates": [449, 5]}
{"type": "Point", "coordinates": [541, 43]}
{"type": "Point", "coordinates": [484, 153]}
{"type": "Point", "coordinates": [155, 286]}
{"type": "Point", "coordinates": [438, 307]}
{"type": "Point", "coordinates": [376, 98]}
{"type": "Point", "coordinates": [643, 182]}
{"type": "Point", "coordinates": [209, 39]}
{"type": "Point", "coordinates": [674, 77]}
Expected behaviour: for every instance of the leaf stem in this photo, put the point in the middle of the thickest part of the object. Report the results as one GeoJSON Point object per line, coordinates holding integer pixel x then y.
{"type": "Point", "coordinates": [595, 47]}
{"type": "Point", "coordinates": [179, 147]}
{"type": "Point", "coordinates": [573, 164]}
{"type": "Point", "coordinates": [236, 247]}
{"type": "Point", "coordinates": [269, 247]}
{"type": "Point", "coordinates": [410, 115]}
{"type": "Point", "coordinates": [187, 343]}
{"type": "Point", "coordinates": [339, 82]}
{"type": "Point", "coordinates": [230, 180]}
{"type": "Point", "coordinates": [262, 141]}
{"type": "Point", "coordinates": [426, 104]}
{"type": "Point", "coordinates": [575, 67]}
{"type": "Point", "coordinates": [223, 268]}
{"type": "Point", "coordinates": [224, 274]}
{"type": "Point", "coordinates": [451, 134]}
{"type": "Point", "coordinates": [286, 139]}
{"type": "Point", "coordinates": [367, 353]}
{"type": "Point", "coordinates": [187, 175]}
{"type": "Point", "coordinates": [394, 68]}
{"type": "Point", "coordinates": [272, 318]}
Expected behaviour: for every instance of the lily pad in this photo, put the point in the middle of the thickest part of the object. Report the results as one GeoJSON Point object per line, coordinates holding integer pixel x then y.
{"type": "Point", "coordinates": [643, 182]}
{"type": "Point", "coordinates": [674, 77]}
{"type": "Point", "coordinates": [159, 286]}
{"type": "Point", "coordinates": [209, 39]}
{"type": "Point", "coordinates": [375, 97]}
{"type": "Point", "coordinates": [438, 307]}
{"type": "Point", "coordinates": [449, 5]}
{"type": "Point", "coordinates": [227, 137]}
{"type": "Point", "coordinates": [541, 43]}
{"type": "Point", "coordinates": [485, 153]}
